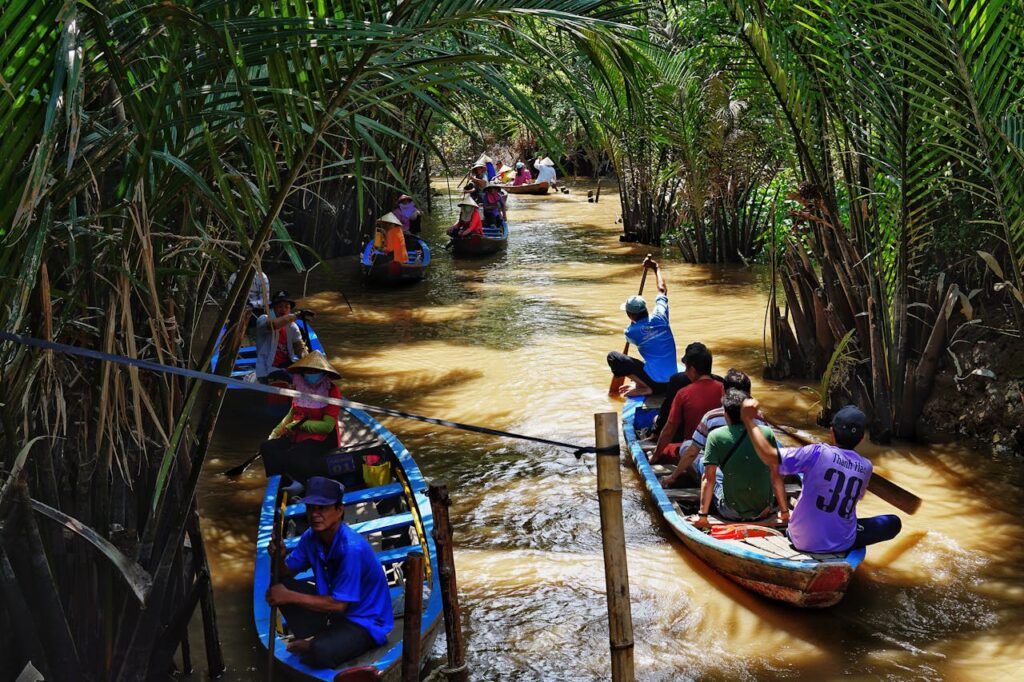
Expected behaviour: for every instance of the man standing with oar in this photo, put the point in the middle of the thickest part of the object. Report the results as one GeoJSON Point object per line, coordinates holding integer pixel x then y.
{"type": "Point", "coordinates": [652, 336]}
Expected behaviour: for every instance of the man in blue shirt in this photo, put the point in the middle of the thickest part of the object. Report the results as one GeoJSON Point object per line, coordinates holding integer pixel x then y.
{"type": "Point", "coordinates": [652, 336]}
{"type": "Point", "coordinates": [348, 611]}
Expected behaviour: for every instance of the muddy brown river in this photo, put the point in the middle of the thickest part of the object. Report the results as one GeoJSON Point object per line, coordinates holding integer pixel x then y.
{"type": "Point", "coordinates": [517, 342]}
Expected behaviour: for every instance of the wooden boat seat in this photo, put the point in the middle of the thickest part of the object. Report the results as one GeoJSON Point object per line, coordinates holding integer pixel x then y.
{"type": "Point", "coordinates": [353, 498]}
{"type": "Point", "coordinates": [653, 402]}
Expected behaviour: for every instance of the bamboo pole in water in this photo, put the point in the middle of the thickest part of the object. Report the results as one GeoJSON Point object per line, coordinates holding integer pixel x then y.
{"type": "Point", "coordinates": [413, 617]}
{"type": "Point", "coordinates": [439, 502]}
{"type": "Point", "coordinates": [613, 539]}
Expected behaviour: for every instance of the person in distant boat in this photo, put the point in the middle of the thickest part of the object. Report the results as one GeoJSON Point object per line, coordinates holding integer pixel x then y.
{"type": "Point", "coordinates": [493, 203]}
{"type": "Point", "coordinates": [259, 292]}
{"type": "Point", "coordinates": [747, 486]}
{"type": "Point", "coordinates": [478, 175]}
{"type": "Point", "coordinates": [715, 419]}
{"type": "Point", "coordinates": [523, 175]}
{"type": "Point", "coordinates": [546, 172]}
{"type": "Point", "coordinates": [278, 340]}
{"type": "Point", "coordinates": [702, 395]}
{"type": "Point", "coordinates": [311, 427]}
{"type": "Point", "coordinates": [408, 214]}
{"type": "Point", "coordinates": [390, 238]}
{"type": "Point", "coordinates": [652, 336]}
{"type": "Point", "coordinates": [504, 174]}
{"type": "Point", "coordinates": [346, 610]}
{"type": "Point", "coordinates": [469, 222]}
{"type": "Point", "coordinates": [835, 479]}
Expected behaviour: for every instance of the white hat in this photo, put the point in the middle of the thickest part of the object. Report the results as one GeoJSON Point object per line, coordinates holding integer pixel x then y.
{"type": "Point", "coordinates": [546, 161]}
{"type": "Point", "coordinates": [467, 201]}
{"type": "Point", "coordinates": [390, 219]}
{"type": "Point", "coordinates": [519, 164]}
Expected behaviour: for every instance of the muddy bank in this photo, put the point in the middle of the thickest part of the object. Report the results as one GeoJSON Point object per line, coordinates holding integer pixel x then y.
{"type": "Point", "coordinates": [979, 395]}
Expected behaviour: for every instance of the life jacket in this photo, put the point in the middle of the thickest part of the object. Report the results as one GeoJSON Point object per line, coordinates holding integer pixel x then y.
{"type": "Point", "coordinates": [283, 355]}
{"type": "Point", "coordinates": [310, 408]}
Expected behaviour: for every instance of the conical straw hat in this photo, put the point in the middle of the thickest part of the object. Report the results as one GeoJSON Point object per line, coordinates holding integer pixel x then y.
{"type": "Point", "coordinates": [315, 361]}
{"type": "Point", "coordinates": [390, 219]}
{"type": "Point", "coordinates": [467, 201]}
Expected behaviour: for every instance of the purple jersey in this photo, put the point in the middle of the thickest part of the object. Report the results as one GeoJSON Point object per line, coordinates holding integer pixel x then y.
{"type": "Point", "coordinates": [825, 517]}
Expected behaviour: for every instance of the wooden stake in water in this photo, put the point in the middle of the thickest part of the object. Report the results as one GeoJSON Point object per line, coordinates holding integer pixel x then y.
{"type": "Point", "coordinates": [613, 539]}
{"type": "Point", "coordinates": [439, 502]}
{"type": "Point", "coordinates": [413, 617]}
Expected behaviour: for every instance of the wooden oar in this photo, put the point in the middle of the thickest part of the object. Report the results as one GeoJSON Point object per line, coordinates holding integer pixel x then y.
{"type": "Point", "coordinates": [236, 471]}
{"type": "Point", "coordinates": [275, 572]}
{"type": "Point", "coordinates": [613, 388]}
{"type": "Point", "coordinates": [899, 497]}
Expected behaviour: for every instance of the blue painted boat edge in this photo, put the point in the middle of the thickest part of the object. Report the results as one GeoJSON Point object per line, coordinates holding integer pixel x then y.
{"type": "Point", "coordinates": [678, 523]}
{"type": "Point", "coordinates": [261, 575]}
{"type": "Point", "coordinates": [366, 260]}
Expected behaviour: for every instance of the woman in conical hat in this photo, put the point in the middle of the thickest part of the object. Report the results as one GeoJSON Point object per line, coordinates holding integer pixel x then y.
{"type": "Point", "coordinates": [311, 427]}
{"type": "Point", "coordinates": [469, 221]}
{"type": "Point", "coordinates": [391, 238]}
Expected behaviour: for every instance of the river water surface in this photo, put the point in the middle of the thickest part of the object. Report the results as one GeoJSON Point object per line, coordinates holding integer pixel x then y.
{"type": "Point", "coordinates": [517, 342]}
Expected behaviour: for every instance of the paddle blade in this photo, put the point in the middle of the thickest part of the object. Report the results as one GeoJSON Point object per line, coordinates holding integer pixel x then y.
{"type": "Point", "coordinates": [901, 498]}
{"type": "Point", "coordinates": [616, 384]}
{"type": "Point", "coordinates": [236, 471]}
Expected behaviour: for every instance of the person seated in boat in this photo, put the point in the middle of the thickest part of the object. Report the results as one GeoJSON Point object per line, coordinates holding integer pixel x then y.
{"type": "Point", "coordinates": [469, 222]}
{"type": "Point", "coordinates": [390, 238]}
{"type": "Point", "coordinates": [278, 339]}
{"type": "Point", "coordinates": [676, 383]}
{"type": "Point", "coordinates": [652, 336]}
{"type": "Point", "coordinates": [691, 459]}
{"type": "Point", "coordinates": [408, 214]}
{"type": "Point", "coordinates": [505, 174]}
{"type": "Point", "coordinates": [523, 175]}
{"type": "Point", "coordinates": [493, 202]}
{"type": "Point", "coordinates": [311, 427]}
{"type": "Point", "coordinates": [346, 610]}
{"type": "Point", "coordinates": [699, 397]}
{"type": "Point", "coordinates": [258, 297]}
{"type": "Point", "coordinates": [478, 175]}
{"type": "Point", "coordinates": [835, 478]}
{"type": "Point", "coordinates": [747, 485]}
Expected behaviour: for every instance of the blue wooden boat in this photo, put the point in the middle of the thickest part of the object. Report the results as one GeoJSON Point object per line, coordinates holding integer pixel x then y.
{"type": "Point", "coordinates": [380, 269]}
{"type": "Point", "coordinates": [251, 402]}
{"type": "Point", "coordinates": [493, 240]}
{"type": "Point", "coordinates": [396, 518]}
{"type": "Point", "coordinates": [760, 558]}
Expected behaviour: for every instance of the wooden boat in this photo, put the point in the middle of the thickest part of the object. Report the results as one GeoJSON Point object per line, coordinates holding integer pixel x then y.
{"type": "Point", "coordinates": [250, 402]}
{"type": "Point", "coordinates": [767, 565]}
{"type": "Point", "coordinates": [493, 240]}
{"type": "Point", "coordinates": [396, 518]}
{"type": "Point", "coordinates": [531, 188]}
{"type": "Point", "coordinates": [381, 270]}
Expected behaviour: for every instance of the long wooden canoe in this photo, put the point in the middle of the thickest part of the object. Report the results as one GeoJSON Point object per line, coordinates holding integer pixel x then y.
{"type": "Point", "coordinates": [766, 565]}
{"type": "Point", "coordinates": [259, 405]}
{"type": "Point", "coordinates": [532, 188]}
{"type": "Point", "coordinates": [380, 269]}
{"type": "Point", "coordinates": [399, 508]}
{"type": "Point", "coordinates": [493, 240]}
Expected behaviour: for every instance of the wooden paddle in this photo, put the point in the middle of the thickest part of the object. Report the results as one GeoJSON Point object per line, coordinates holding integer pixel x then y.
{"type": "Point", "coordinates": [236, 471]}
{"type": "Point", "coordinates": [899, 497]}
{"type": "Point", "coordinates": [275, 571]}
{"type": "Point", "coordinates": [613, 388]}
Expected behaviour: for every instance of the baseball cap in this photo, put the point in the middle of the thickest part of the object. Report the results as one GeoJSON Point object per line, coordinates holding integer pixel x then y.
{"type": "Point", "coordinates": [634, 304]}
{"type": "Point", "coordinates": [323, 491]}
{"type": "Point", "coordinates": [850, 421]}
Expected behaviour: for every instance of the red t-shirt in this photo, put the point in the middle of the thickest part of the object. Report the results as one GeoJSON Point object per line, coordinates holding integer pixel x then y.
{"type": "Point", "coordinates": [692, 403]}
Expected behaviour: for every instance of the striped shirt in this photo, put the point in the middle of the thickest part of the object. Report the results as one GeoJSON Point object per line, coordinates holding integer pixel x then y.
{"type": "Point", "coordinates": [712, 420]}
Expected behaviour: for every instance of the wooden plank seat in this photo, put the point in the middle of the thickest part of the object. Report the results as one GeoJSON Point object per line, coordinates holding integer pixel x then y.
{"type": "Point", "coordinates": [376, 494]}
{"type": "Point", "coordinates": [380, 525]}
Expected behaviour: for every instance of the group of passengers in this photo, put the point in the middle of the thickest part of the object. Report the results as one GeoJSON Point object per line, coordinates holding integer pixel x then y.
{"type": "Point", "coordinates": [709, 427]}
{"type": "Point", "coordinates": [483, 205]}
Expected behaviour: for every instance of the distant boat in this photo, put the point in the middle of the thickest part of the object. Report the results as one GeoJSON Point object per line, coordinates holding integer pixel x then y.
{"type": "Point", "coordinates": [380, 269]}
{"type": "Point", "coordinates": [493, 240]}
{"type": "Point", "coordinates": [252, 402]}
{"type": "Point", "coordinates": [532, 188]}
{"type": "Point", "coordinates": [396, 518]}
{"type": "Point", "coordinates": [758, 557]}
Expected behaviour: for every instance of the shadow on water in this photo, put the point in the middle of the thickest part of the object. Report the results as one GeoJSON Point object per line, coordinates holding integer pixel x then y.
{"type": "Point", "coordinates": [517, 342]}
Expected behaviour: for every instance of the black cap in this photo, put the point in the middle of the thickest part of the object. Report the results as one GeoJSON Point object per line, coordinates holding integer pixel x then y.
{"type": "Point", "coordinates": [850, 421]}
{"type": "Point", "coordinates": [281, 296]}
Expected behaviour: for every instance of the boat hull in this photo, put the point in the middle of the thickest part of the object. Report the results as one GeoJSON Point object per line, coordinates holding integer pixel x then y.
{"type": "Point", "coordinates": [804, 583]}
{"type": "Point", "coordinates": [538, 188]}
{"type": "Point", "coordinates": [494, 240]}
{"type": "Point", "coordinates": [379, 270]}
